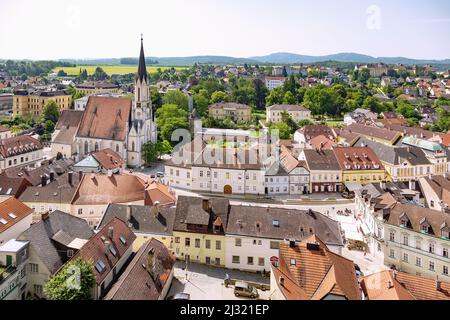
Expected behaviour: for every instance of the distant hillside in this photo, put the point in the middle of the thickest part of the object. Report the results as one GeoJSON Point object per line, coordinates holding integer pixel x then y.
{"type": "Point", "coordinates": [292, 58]}
{"type": "Point", "coordinates": [275, 58]}
{"type": "Point", "coordinates": [168, 61]}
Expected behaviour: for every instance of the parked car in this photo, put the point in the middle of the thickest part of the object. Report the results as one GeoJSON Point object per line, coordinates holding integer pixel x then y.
{"type": "Point", "coordinates": [243, 289]}
{"type": "Point", "coordinates": [180, 296]}
{"type": "Point", "coordinates": [160, 174]}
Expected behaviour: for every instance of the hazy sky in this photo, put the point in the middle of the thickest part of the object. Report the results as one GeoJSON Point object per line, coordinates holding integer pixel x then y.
{"type": "Point", "coordinates": [49, 29]}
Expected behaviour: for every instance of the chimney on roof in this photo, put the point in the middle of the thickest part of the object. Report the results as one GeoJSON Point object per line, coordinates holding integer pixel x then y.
{"type": "Point", "coordinates": [80, 175]}
{"type": "Point", "coordinates": [44, 216]}
{"type": "Point", "coordinates": [128, 214]}
{"type": "Point", "coordinates": [390, 284]}
{"type": "Point", "coordinates": [205, 205]}
{"type": "Point", "coordinates": [281, 281]}
{"type": "Point", "coordinates": [43, 180]}
{"type": "Point", "coordinates": [111, 232]}
{"type": "Point", "coordinates": [155, 209]}
{"type": "Point", "coordinates": [438, 284]}
{"type": "Point", "coordinates": [52, 176]}
{"type": "Point", "coordinates": [151, 263]}
{"type": "Point", "coordinates": [106, 246]}
{"type": "Point", "coordinates": [70, 177]}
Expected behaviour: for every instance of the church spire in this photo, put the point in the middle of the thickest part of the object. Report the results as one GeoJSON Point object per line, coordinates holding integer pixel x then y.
{"type": "Point", "coordinates": [142, 69]}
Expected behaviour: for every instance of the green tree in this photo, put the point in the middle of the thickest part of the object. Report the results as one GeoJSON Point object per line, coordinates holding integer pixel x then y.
{"type": "Point", "coordinates": [283, 129]}
{"type": "Point", "coordinates": [201, 104]}
{"type": "Point", "coordinates": [178, 98]}
{"type": "Point", "coordinates": [156, 98]}
{"type": "Point", "coordinates": [373, 105]}
{"type": "Point", "coordinates": [51, 112]}
{"type": "Point", "coordinates": [275, 96]}
{"type": "Point", "coordinates": [74, 282]}
{"type": "Point", "coordinates": [219, 96]}
{"type": "Point", "coordinates": [169, 118]}
{"type": "Point", "coordinates": [260, 93]}
{"type": "Point", "coordinates": [100, 74]}
{"type": "Point", "coordinates": [289, 98]}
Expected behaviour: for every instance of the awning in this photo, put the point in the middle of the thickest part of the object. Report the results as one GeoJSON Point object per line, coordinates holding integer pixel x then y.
{"type": "Point", "coordinates": [353, 186]}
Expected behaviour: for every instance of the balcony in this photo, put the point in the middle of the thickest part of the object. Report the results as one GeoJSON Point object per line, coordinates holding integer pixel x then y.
{"type": "Point", "coordinates": [6, 272]}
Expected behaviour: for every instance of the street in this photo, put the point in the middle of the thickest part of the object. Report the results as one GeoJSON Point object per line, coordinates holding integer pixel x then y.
{"type": "Point", "coordinates": [207, 283]}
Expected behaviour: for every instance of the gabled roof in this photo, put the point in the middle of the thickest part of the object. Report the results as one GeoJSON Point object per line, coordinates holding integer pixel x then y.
{"type": "Point", "coordinates": [15, 146]}
{"type": "Point", "coordinates": [229, 105]}
{"type": "Point", "coordinates": [417, 215]}
{"type": "Point", "coordinates": [318, 272]}
{"type": "Point", "coordinates": [187, 207]}
{"type": "Point", "coordinates": [287, 107]}
{"type": "Point", "coordinates": [12, 211]}
{"type": "Point", "coordinates": [68, 124]}
{"type": "Point", "coordinates": [138, 281]}
{"type": "Point", "coordinates": [357, 158]}
{"type": "Point", "coordinates": [101, 247]}
{"type": "Point", "coordinates": [313, 131]}
{"type": "Point", "coordinates": [393, 285]}
{"type": "Point", "coordinates": [40, 236]}
{"type": "Point", "coordinates": [97, 189]}
{"type": "Point", "coordinates": [158, 192]}
{"type": "Point", "coordinates": [321, 160]}
{"type": "Point", "coordinates": [141, 219]}
{"type": "Point", "coordinates": [109, 159]}
{"type": "Point", "coordinates": [279, 223]}
{"type": "Point", "coordinates": [374, 132]}
{"type": "Point", "coordinates": [105, 118]}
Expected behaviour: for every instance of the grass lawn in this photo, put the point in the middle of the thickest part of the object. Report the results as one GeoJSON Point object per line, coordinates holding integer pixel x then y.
{"type": "Point", "coordinates": [110, 70]}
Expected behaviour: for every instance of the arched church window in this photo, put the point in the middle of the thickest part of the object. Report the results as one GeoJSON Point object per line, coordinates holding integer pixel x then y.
{"type": "Point", "coordinates": [86, 147]}
{"type": "Point", "coordinates": [96, 146]}
{"type": "Point", "coordinates": [139, 94]}
{"type": "Point", "coordinates": [117, 148]}
{"type": "Point", "coordinates": [132, 146]}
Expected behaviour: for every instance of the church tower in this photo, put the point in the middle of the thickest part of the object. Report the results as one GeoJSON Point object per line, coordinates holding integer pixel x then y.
{"type": "Point", "coordinates": [142, 125]}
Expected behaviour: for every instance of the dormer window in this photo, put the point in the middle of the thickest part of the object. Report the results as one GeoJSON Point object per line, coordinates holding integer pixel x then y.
{"type": "Point", "coordinates": [425, 227]}
{"type": "Point", "coordinates": [276, 223]}
{"type": "Point", "coordinates": [445, 231]}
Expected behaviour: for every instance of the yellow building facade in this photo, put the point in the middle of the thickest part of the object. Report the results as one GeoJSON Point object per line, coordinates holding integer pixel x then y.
{"type": "Point", "coordinates": [32, 104]}
{"type": "Point", "coordinates": [200, 248]}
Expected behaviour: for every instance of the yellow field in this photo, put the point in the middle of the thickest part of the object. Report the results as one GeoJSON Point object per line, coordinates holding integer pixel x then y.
{"type": "Point", "coordinates": [110, 70]}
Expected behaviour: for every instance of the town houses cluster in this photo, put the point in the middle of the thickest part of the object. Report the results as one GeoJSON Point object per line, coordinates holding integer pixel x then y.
{"type": "Point", "coordinates": [293, 203]}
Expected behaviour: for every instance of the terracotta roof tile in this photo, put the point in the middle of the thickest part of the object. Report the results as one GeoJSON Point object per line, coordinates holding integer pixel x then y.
{"type": "Point", "coordinates": [101, 189]}
{"type": "Point", "coordinates": [109, 159]}
{"type": "Point", "coordinates": [96, 249]}
{"type": "Point", "coordinates": [105, 118]}
{"type": "Point", "coordinates": [12, 211]}
{"type": "Point", "coordinates": [319, 272]}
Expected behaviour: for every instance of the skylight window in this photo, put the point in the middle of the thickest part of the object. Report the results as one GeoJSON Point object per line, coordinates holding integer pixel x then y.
{"type": "Point", "coordinates": [113, 251]}
{"type": "Point", "coordinates": [3, 221]}
{"type": "Point", "coordinates": [276, 223]}
{"type": "Point", "coordinates": [123, 240]}
{"type": "Point", "coordinates": [100, 266]}
{"type": "Point", "coordinates": [12, 215]}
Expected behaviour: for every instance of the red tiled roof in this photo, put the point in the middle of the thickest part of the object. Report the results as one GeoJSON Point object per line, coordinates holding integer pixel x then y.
{"type": "Point", "coordinates": [14, 207]}
{"type": "Point", "coordinates": [13, 146]}
{"type": "Point", "coordinates": [357, 158]}
{"type": "Point", "coordinates": [96, 249]}
{"type": "Point", "coordinates": [109, 159]}
{"type": "Point", "coordinates": [317, 273]}
{"type": "Point", "coordinates": [101, 189]}
{"type": "Point", "coordinates": [158, 192]}
{"type": "Point", "coordinates": [105, 118]}
{"type": "Point", "coordinates": [387, 285]}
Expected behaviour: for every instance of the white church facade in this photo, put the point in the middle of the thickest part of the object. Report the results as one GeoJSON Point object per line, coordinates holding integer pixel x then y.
{"type": "Point", "coordinates": [119, 123]}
